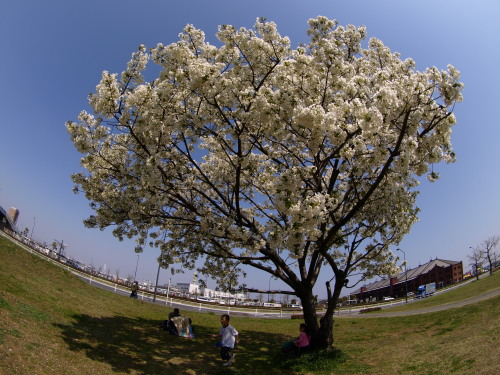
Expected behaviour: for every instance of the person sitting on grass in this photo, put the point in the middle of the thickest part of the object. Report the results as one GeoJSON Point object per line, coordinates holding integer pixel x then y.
{"type": "Point", "coordinates": [300, 344]}
{"type": "Point", "coordinates": [178, 325]}
{"type": "Point", "coordinates": [174, 313]}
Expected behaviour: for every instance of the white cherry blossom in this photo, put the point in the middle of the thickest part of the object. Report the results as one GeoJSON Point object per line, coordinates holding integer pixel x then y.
{"type": "Point", "coordinates": [254, 154]}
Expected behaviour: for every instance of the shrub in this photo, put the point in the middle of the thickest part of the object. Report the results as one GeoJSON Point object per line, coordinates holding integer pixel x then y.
{"type": "Point", "coordinates": [370, 309]}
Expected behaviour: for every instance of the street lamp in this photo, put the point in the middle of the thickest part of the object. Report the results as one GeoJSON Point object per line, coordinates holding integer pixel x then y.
{"type": "Point", "coordinates": [406, 276]}
{"type": "Point", "coordinates": [168, 288]}
{"type": "Point", "coordinates": [269, 287]}
{"type": "Point", "coordinates": [136, 265]}
{"type": "Point", "coordinates": [475, 259]}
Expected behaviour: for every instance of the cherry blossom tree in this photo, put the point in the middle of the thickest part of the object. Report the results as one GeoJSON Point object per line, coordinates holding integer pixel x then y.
{"type": "Point", "coordinates": [253, 154]}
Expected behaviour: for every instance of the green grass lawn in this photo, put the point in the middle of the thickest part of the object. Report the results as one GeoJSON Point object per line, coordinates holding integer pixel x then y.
{"type": "Point", "coordinates": [51, 322]}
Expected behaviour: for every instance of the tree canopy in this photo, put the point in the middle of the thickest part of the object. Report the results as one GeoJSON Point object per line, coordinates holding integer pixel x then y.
{"type": "Point", "coordinates": [252, 153]}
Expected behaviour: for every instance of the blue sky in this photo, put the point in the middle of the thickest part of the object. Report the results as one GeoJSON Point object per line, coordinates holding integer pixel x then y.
{"type": "Point", "coordinates": [53, 53]}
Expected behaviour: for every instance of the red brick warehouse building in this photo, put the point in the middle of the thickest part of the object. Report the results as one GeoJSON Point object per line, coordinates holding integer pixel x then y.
{"type": "Point", "coordinates": [439, 271]}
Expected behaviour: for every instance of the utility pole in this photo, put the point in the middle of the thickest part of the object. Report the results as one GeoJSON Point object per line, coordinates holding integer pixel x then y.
{"type": "Point", "coordinates": [32, 229]}
{"type": "Point", "coordinates": [406, 276]}
{"type": "Point", "coordinates": [136, 265]}
{"type": "Point", "coordinates": [61, 246]}
{"type": "Point", "coordinates": [157, 276]}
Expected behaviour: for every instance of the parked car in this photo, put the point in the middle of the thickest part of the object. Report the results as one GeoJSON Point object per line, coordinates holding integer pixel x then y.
{"type": "Point", "coordinates": [204, 299]}
{"type": "Point", "coordinates": [388, 298]}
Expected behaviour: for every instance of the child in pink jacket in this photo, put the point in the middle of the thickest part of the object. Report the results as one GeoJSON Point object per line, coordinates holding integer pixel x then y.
{"type": "Point", "coordinates": [298, 345]}
{"type": "Point", "coordinates": [304, 338]}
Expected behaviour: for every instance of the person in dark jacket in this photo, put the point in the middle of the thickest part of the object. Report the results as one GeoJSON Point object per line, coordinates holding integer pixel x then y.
{"type": "Point", "coordinates": [135, 288]}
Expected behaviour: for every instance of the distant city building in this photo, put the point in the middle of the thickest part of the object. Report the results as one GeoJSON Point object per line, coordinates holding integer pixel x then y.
{"type": "Point", "coordinates": [14, 214]}
{"type": "Point", "coordinates": [191, 288]}
{"type": "Point", "coordinates": [188, 288]}
{"type": "Point", "coordinates": [439, 271]}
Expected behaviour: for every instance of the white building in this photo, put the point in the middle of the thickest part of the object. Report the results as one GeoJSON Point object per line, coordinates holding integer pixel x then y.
{"type": "Point", "coordinates": [189, 288]}
{"type": "Point", "coordinates": [211, 293]}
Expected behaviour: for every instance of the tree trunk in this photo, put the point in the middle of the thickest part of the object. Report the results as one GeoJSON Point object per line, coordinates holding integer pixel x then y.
{"type": "Point", "coordinates": [309, 311]}
{"type": "Point", "coordinates": [489, 262]}
{"type": "Point", "coordinates": [322, 335]}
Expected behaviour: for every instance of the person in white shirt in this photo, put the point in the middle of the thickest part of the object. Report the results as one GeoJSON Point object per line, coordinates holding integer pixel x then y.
{"type": "Point", "coordinates": [229, 337]}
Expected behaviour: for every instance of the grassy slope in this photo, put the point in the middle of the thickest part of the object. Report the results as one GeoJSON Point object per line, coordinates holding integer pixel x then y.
{"type": "Point", "coordinates": [53, 323]}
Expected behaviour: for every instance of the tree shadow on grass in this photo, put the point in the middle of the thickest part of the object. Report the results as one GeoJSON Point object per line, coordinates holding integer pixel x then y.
{"type": "Point", "coordinates": [139, 346]}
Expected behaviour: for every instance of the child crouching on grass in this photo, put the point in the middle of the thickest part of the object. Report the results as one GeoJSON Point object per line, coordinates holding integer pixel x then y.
{"type": "Point", "coordinates": [229, 337]}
